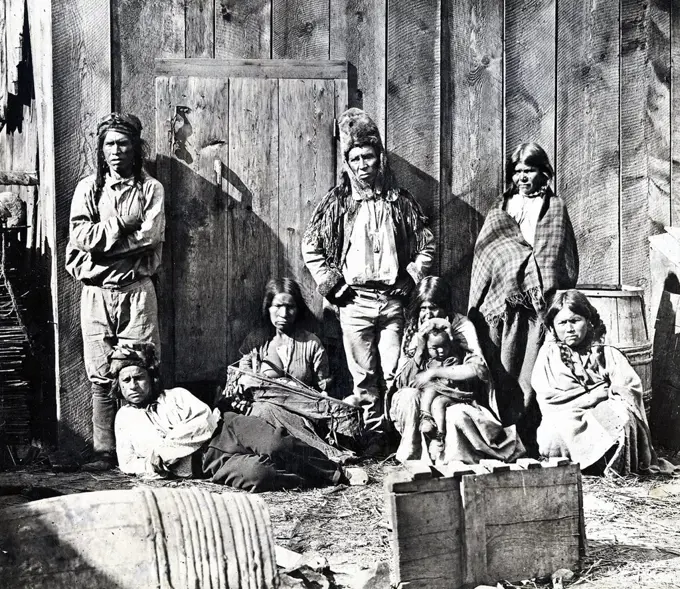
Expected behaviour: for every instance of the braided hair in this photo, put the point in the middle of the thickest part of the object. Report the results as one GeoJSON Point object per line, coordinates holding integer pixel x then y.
{"type": "Point", "coordinates": [579, 304]}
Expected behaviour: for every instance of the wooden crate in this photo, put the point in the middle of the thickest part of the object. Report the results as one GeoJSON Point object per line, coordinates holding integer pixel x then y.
{"type": "Point", "coordinates": [484, 523]}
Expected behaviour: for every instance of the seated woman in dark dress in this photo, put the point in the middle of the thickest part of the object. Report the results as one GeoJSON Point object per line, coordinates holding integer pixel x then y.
{"type": "Point", "coordinates": [284, 369]}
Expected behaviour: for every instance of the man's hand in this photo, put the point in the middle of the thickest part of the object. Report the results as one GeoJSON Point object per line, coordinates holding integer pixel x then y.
{"type": "Point", "coordinates": [158, 466]}
{"type": "Point", "coordinates": [131, 223]}
{"type": "Point", "coordinates": [422, 379]}
{"type": "Point", "coordinates": [344, 295]}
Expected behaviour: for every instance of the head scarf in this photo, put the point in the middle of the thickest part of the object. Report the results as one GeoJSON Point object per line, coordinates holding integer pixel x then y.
{"type": "Point", "coordinates": [357, 129]}
{"type": "Point", "coordinates": [123, 123]}
{"type": "Point", "coordinates": [140, 355]}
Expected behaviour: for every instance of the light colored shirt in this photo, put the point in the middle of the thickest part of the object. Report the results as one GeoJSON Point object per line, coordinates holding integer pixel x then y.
{"type": "Point", "coordinates": [525, 211]}
{"type": "Point", "coordinates": [100, 252]}
{"type": "Point", "coordinates": [173, 427]}
{"type": "Point", "coordinates": [372, 254]}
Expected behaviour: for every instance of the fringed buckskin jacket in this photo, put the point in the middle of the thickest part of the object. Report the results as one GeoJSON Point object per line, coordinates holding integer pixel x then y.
{"type": "Point", "coordinates": [326, 240]}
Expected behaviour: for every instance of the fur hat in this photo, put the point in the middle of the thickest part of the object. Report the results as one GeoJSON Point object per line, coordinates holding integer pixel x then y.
{"type": "Point", "coordinates": [141, 355]}
{"type": "Point", "coordinates": [357, 129]}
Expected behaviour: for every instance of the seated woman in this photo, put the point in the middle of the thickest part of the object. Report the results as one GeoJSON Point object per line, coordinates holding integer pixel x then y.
{"type": "Point", "coordinates": [286, 354]}
{"type": "Point", "coordinates": [472, 431]}
{"type": "Point", "coordinates": [171, 433]}
{"type": "Point", "coordinates": [589, 395]}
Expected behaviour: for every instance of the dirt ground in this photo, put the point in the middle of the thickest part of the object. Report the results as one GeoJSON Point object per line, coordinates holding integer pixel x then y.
{"type": "Point", "coordinates": [632, 525]}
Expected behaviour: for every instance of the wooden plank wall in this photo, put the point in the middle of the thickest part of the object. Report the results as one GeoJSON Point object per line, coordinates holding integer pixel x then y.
{"type": "Point", "coordinates": [453, 85]}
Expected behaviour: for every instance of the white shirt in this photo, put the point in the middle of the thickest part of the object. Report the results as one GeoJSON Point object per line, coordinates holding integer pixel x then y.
{"type": "Point", "coordinates": [372, 254]}
{"type": "Point", "coordinates": [525, 211]}
{"type": "Point", "coordinates": [173, 427]}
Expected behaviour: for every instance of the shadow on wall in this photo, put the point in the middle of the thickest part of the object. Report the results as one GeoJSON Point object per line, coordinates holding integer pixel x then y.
{"type": "Point", "coordinates": [665, 412]}
{"type": "Point", "coordinates": [456, 224]}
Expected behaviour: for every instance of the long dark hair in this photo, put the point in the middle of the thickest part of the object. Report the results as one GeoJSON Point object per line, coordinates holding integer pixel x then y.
{"type": "Point", "coordinates": [578, 303]}
{"type": "Point", "coordinates": [288, 286]}
{"type": "Point", "coordinates": [531, 154]}
{"type": "Point", "coordinates": [141, 151]}
{"type": "Point", "coordinates": [431, 289]}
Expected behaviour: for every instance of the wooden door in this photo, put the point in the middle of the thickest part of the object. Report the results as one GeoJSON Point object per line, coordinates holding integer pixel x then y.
{"type": "Point", "coordinates": [245, 151]}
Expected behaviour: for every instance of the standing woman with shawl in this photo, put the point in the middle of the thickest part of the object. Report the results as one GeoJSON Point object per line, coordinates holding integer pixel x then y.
{"type": "Point", "coordinates": [525, 252]}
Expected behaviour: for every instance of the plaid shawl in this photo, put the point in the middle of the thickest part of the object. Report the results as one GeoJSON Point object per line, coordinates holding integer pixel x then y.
{"type": "Point", "coordinates": [507, 271]}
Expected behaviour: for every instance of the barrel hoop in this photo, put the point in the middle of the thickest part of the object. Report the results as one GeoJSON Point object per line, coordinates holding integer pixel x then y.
{"type": "Point", "coordinates": [158, 533]}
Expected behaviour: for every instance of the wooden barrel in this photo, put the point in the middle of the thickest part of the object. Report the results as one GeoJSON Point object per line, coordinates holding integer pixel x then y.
{"type": "Point", "coordinates": [622, 310]}
{"type": "Point", "coordinates": [163, 538]}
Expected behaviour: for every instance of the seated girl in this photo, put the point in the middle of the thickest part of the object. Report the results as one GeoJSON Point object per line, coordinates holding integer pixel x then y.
{"type": "Point", "coordinates": [455, 378]}
{"type": "Point", "coordinates": [589, 395]}
{"type": "Point", "coordinates": [284, 367]}
{"type": "Point", "coordinates": [171, 433]}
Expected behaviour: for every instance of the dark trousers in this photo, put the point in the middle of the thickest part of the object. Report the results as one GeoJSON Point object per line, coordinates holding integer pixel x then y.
{"type": "Point", "coordinates": [248, 453]}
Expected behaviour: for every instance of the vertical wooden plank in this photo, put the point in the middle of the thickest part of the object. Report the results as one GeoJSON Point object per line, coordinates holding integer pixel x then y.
{"type": "Point", "coordinates": [243, 29]}
{"type": "Point", "coordinates": [474, 516]}
{"type": "Point", "coordinates": [675, 112]}
{"type": "Point", "coordinates": [475, 110]}
{"type": "Point", "coordinates": [413, 99]}
{"type": "Point", "coordinates": [82, 95]}
{"type": "Point", "coordinates": [359, 35]}
{"type": "Point", "coordinates": [252, 190]}
{"type": "Point", "coordinates": [199, 227]}
{"type": "Point", "coordinates": [143, 31]}
{"type": "Point", "coordinates": [530, 73]}
{"type": "Point", "coordinates": [300, 29]}
{"type": "Point", "coordinates": [306, 170]}
{"type": "Point", "coordinates": [645, 124]}
{"type": "Point", "coordinates": [588, 131]}
{"type": "Point", "coordinates": [200, 28]}
{"type": "Point", "coordinates": [658, 122]}
{"type": "Point", "coordinates": [3, 64]}
{"type": "Point", "coordinates": [164, 287]}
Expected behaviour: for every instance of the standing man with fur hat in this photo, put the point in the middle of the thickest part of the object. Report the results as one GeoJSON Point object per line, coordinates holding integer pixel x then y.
{"type": "Point", "coordinates": [115, 243]}
{"type": "Point", "coordinates": [368, 243]}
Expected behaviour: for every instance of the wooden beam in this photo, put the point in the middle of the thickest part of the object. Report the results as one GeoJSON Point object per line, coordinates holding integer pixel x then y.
{"type": "Point", "coordinates": [15, 178]}
{"type": "Point", "coordinates": [319, 69]}
{"type": "Point", "coordinates": [587, 158]}
{"type": "Point", "coordinates": [81, 96]}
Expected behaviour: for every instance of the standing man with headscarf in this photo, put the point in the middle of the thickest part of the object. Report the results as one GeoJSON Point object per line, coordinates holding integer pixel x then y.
{"type": "Point", "coordinates": [116, 236]}
{"type": "Point", "coordinates": [367, 244]}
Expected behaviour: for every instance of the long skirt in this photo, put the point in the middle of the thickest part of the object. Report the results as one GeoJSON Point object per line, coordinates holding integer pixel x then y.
{"type": "Point", "coordinates": [248, 453]}
{"type": "Point", "coordinates": [472, 432]}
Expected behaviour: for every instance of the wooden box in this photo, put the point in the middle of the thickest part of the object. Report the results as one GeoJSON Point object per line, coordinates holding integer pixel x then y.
{"type": "Point", "coordinates": [484, 523]}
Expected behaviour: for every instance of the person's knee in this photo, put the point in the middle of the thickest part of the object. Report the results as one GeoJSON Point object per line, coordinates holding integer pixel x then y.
{"type": "Point", "coordinates": [254, 475]}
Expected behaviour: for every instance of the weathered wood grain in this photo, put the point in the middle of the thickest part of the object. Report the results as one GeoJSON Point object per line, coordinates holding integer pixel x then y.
{"type": "Point", "coordinates": [530, 73]}
{"type": "Point", "coordinates": [474, 517]}
{"type": "Point", "coordinates": [199, 226]}
{"type": "Point", "coordinates": [251, 187]}
{"type": "Point", "coordinates": [317, 69]}
{"type": "Point", "coordinates": [19, 178]}
{"type": "Point", "coordinates": [164, 287]}
{"type": "Point", "coordinates": [200, 28]}
{"type": "Point", "coordinates": [82, 95]}
{"type": "Point", "coordinates": [306, 170]}
{"type": "Point", "coordinates": [3, 63]}
{"type": "Point", "coordinates": [300, 29]}
{"type": "Point", "coordinates": [413, 99]}
{"type": "Point", "coordinates": [359, 35]}
{"type": "Point", "coordinates": [475, 111]}
{"type": "Point", "coordinates": [658, 108]}
{"type": "Point", "coordinates": [243, 29]}
{"type": "Point", "coordinates": [635, 218]}
{"type": "Point", "coordinates": [426, 538]}
{"type": "Point", "coordinates": [142, 31]}
{"type": "Point", "coordinates": [587, 157]}
{"type": "Point", "coordinates": [675, 112]}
